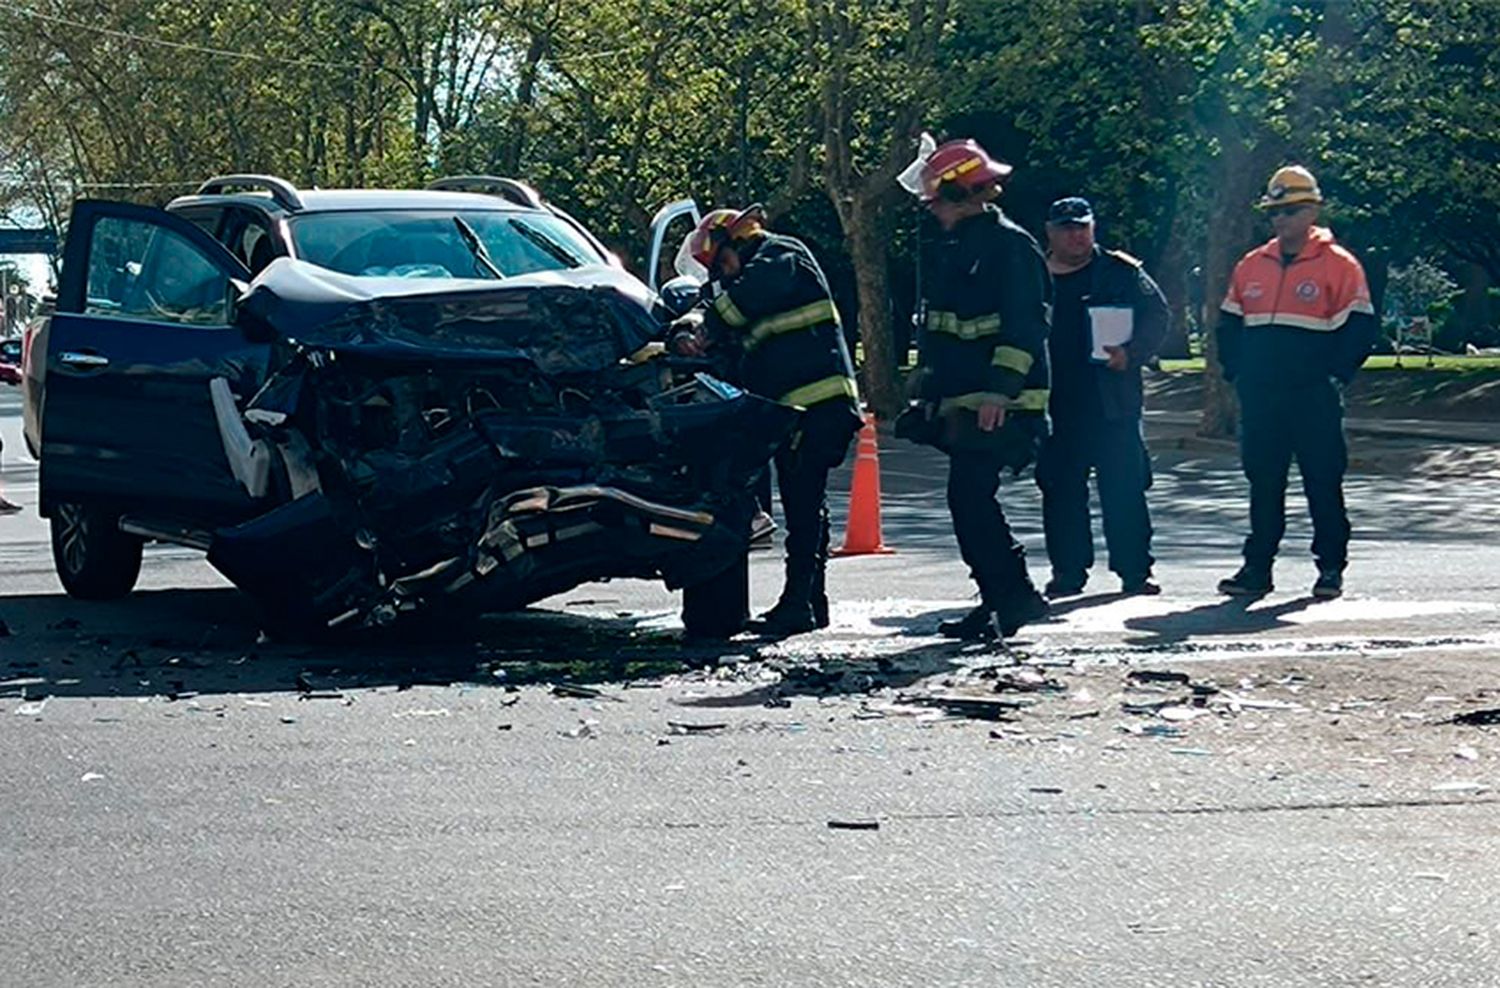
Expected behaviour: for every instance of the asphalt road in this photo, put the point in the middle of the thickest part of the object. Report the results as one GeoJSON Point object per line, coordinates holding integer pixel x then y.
{"type": "Point", "coordinates": [186, 804]}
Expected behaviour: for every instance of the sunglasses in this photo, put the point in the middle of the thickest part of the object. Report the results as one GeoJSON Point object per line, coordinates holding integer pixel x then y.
{"type": "Point", "coordinates": [1285, 210]}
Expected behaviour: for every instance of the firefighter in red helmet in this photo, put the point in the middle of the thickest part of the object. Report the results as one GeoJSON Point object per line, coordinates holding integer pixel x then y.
{"type": "Point", "coordinates": [773, 329]}
{"type": "Point", "coordinates": [982, 384]}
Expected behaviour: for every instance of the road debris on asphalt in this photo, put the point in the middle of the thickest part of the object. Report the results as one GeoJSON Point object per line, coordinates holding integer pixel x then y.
{"type": "Point", "coordinates": [1478, 718]}
{"type": "Point", "coordinates": [973, 708]}
{"type": "Point", "coordinates": [853, 824]}
{"type": "Point", "coordinates": [1460, 786]}
{"type": "Point", "coordinates": [1159, 676]}
{"type": "Point", "coordinates": [688, 727]}
{"type": "Point", "coordinates": [574, 692]}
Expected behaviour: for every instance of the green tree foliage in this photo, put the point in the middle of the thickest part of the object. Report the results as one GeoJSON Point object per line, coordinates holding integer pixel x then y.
{"type": "Point", "coordinates": [1168, 114]}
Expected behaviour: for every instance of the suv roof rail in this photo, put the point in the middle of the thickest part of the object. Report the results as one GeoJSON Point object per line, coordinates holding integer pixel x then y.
{"type": "Point", "coordinates": [284, 192]}
{"type": "Point", "coordinates": [512, 189]}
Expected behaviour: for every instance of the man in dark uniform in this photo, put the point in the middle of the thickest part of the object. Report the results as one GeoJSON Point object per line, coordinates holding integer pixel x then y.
{"type": "Point", "coordinates": [1096, 404]}
{"type": "Point", "coordinates": [983, 375]}
{"type": "Point", "coordinates": [773, 329]}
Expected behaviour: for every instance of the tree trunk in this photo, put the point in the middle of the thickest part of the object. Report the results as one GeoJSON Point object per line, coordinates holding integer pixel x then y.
{"type": "Point", "coordinates": [1475, 312]}
{"type": "Point", "coordinates": [868, 250]}
{"type": "Point", "coordinates": [1231, 229]}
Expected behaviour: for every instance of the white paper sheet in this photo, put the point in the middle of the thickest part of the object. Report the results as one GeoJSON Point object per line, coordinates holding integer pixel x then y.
{"type": "Point", "coordinates": [1109, 325]}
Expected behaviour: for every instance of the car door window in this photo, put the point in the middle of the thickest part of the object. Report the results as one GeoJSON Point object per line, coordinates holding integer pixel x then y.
{"type": "Point", "coordinates": [139, 270]}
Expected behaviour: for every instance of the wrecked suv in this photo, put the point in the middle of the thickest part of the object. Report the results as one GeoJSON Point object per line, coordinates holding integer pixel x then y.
{"type": "Point", "coordinates": [361, 404]}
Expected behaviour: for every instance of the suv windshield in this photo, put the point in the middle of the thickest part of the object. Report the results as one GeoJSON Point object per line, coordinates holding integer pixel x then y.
{"type": "Point", "coordinates": [427, 243]}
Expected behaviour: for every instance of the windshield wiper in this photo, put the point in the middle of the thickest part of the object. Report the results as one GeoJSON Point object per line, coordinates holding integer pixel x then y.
{"type": "Point", "coordinates": [546, 243]}
{"type": "Point", "coordinates": [476, 247]}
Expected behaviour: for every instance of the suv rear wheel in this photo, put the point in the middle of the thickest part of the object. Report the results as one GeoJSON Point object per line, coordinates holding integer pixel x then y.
{"type": "Point", "coordinates": [94, 559]}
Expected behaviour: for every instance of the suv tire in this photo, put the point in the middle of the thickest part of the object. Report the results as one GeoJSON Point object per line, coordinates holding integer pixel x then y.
{"type": "Point", "coordinates": [94, 559]}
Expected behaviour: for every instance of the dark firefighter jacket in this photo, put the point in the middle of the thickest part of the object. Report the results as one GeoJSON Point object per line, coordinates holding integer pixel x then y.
{"type": "Point", "coordinates": [1114, 279]}
{"type": "Point", "coordinates": [775, 329]}
{"type": "Point", "coordinates": [1289, 325]}
{"type": "Point", "coordinates": [984, 337]}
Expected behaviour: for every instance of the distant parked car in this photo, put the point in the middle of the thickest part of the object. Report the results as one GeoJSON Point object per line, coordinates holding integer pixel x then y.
{"type": "Point", "coordinates": [10, 361]}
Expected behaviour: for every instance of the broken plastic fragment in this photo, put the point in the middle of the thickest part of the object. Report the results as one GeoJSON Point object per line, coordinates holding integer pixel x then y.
{"type": "Point", "coordinates": [684, 727]}
{"type": "Point", "coordinates": [853, 824]}
{"type": "Point", "coordinates": [1158, 676]}
{"type": "Point", "coordinates": [1460, 787]}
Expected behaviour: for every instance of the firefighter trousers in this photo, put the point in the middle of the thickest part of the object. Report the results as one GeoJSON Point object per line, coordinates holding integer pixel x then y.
{"type": "Point", "coordinates": [1115, 452]}
{"type": "Point", "coordinates": [994, 557]}
{"type": "Point", "coordinates": [1306, 424]}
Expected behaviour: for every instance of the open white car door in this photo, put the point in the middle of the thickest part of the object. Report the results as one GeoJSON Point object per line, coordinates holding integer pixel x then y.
{"type": "Point", "coordinates": [669, 226]}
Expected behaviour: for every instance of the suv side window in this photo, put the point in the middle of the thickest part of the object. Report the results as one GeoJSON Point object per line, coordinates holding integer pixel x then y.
{"type": "Point", "coordinates": [138, 270]}
{"type": "Point", "coordinates": [247, 235]}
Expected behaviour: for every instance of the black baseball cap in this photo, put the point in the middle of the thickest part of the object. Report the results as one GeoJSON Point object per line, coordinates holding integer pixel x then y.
{"type": "Point", "coordinates": [1072, 211]}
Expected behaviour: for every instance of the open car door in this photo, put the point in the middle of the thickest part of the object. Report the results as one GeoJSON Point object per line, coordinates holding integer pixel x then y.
{"type": "Point", "coordinates": [671, 224]}
{"type": "Point", "coordinates": [144, 321]}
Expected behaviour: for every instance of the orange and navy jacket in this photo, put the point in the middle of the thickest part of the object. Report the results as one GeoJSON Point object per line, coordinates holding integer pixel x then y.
{"type": "Point", "coordinates": [1287, 323]}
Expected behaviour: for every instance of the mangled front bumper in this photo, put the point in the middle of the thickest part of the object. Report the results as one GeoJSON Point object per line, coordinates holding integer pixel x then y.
{"type": "Point", "coordinates": [481, 451]}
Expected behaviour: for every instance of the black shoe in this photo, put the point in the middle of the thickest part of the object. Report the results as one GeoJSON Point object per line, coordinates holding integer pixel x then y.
{"type": "Point", "coordinates": [1248, 582]}
{"type": "Point", "coordinates": [1057, 588]}
{"type": "Point", "coordinates": [1020, 610]}
{"type": "Point", "coordinates": [1330, 584]}
{"type": "Point", "coordinates": [1142, 587]}
{"type": "Point", "coordinates": [785, 619]}
{"type": "Point", "coordinates": [976, 626]}
{"type": "Point", "coordinates": [819, 598]}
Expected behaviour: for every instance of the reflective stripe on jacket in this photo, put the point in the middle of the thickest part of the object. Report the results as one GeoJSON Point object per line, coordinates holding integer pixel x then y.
{"type": "Point", "coordinates": [1288, 324]}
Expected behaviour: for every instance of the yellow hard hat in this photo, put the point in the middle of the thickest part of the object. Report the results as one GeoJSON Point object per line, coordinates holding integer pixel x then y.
{"type": "Point", "coordinates": [1291, 184]}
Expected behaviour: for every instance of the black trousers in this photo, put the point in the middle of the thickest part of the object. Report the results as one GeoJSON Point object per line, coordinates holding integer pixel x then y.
{"type": "Point", "coordinates": [995, 559]}
{"type": "Point", "coordinates": [1308, 424]}
{"type": "Point", "coordinates": [1115, 452]}
{"type": "Point", "coordinates": [802, 483]}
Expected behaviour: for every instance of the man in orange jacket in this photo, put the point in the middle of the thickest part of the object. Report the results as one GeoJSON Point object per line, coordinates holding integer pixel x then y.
{"type": "Point", "coordinates": [1297, 318]}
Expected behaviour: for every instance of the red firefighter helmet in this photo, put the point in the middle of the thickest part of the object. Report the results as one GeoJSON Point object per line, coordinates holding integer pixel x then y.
{"type": "Point", "coordinates": [719, 227]}
{"type": "Point", "coordinates": [965, 164]}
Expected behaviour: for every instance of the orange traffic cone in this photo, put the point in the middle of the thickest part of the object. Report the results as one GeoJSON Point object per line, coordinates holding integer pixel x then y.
{"type": "Point", "coordinates": [862, 531]}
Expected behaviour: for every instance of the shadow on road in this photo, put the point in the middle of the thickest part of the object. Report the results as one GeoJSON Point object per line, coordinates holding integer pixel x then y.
{"type": "Point", "coordinates": [182, 642]}
{"type": "Point", "coordinates": [1231, 616]}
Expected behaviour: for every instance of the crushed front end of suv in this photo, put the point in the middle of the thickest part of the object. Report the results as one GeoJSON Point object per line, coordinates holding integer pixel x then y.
{"type": "Point", "coordinates": [485, 448]}
{"type": "Point", "coordinates": [348, 447]}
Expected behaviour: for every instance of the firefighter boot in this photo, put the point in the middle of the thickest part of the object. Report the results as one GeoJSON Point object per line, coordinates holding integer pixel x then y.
{"type": "Point", "coordinates": [819, 597]}
{"type": "Point", "coordinates": [976, 626]}
{"type": "Point", "coordinates": [793, 613]}
{"type": "Point", "coordinates": [1020, 608]}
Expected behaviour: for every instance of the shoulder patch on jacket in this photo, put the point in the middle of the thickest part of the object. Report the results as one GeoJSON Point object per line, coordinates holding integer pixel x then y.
{"type": "Point", "coordinates": [1129, 259]}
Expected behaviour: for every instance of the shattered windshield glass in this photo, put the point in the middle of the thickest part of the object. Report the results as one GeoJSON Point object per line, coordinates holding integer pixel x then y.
{"type": "Point", "coordinates": [428, 244]}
